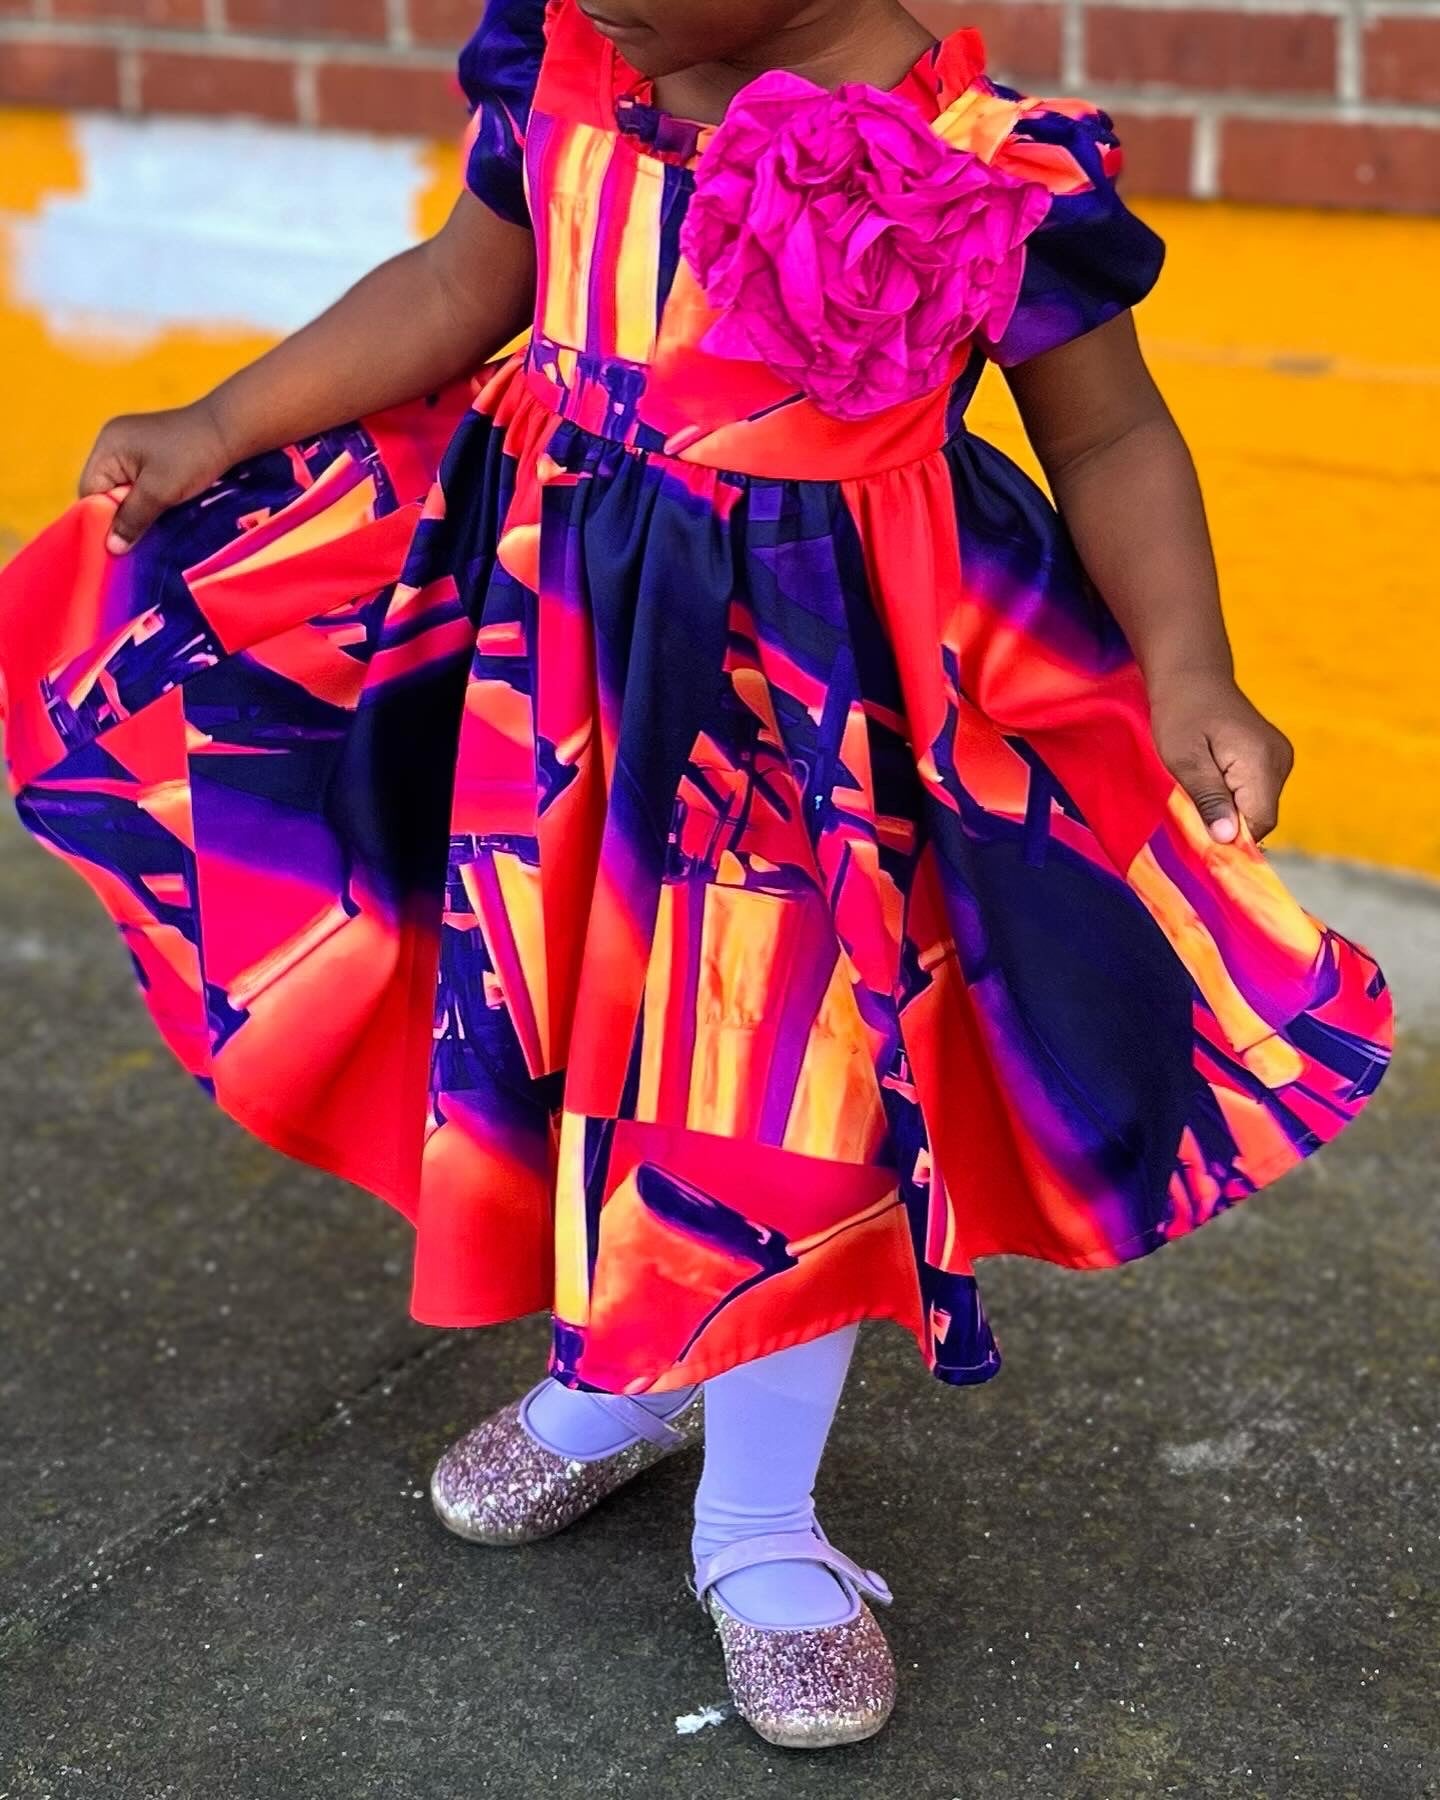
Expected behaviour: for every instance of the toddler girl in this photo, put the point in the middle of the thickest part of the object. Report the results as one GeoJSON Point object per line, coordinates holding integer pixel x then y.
{"type": "Point", "coordinates": [674, 815]}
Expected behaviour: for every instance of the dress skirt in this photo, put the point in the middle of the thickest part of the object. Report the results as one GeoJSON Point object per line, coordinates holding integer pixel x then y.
{"type": "Point", "coordinates": [711, 908]}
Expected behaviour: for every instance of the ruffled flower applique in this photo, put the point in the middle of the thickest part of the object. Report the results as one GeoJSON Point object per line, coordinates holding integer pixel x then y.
{"type": "Point", "coordinates": [848, 247]}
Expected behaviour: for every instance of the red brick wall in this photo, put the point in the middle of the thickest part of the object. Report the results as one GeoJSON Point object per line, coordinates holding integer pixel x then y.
{"type": "Point", "coordinates": [1311, 102]}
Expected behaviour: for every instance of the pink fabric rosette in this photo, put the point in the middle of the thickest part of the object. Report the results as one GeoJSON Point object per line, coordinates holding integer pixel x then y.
{"type": "Point", "coordinates": [847, 246]}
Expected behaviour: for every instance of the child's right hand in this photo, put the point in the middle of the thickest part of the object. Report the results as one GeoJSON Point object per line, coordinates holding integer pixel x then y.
{"type": "Point", "coordinates": [430, 315]}
{"type": "Point", "coordinates": [162, 457]}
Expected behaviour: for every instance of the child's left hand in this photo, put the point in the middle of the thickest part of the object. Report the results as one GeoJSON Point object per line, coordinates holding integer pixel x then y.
{"type": "Point", "coordinates": [1226, 755]}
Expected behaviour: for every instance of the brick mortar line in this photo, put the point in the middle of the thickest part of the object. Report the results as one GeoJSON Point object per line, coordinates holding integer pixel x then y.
{"type": "Point", "coordinates": [1298, 109]}
{"type": "Point", "coordinates": [1204, 155]}
{"type": "Point", "coordinates": [1261, 9]}
{"type": "Point", "coordinates": [1330, 9]}
{"type": "Point", "coordinates": [1350, 60]}
{"type": "Point", "coordinates": [1250, 8]}
{"type": "Point", "coordinates": [307, 54]}
{"type": "Point", "coordinates": [307, 95]}
{"type": "Point", "coordinates": [105, 36]}
{"type": "Point", "coordinates": [1381, 112]}
{"type": "Point", "coordinates": [1196, 104]}
{"type": "Point", "coordinates": [1072, 44]}
{"type": "Point", "coordinates": [118, 1555]}
{"type": "Point", "coordinates": [397, 23]}
{"type": "Point", "coordinates": [1154, 100]}
{"type": "Point", "coordinates": [1372, 10]}
{"type": "Point", "coordinates": [399, 41]}
{"type": "Point", "coordinates": [399, 36]}
{"type": "Point", "coordinates": [127, 81]}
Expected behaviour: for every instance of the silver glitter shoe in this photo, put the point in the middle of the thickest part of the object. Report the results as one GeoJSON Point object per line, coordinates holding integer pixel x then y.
{"type": "Point", "coordinates": [497, 1485]}
{"type": "Point", "coordinates": [807, 1688]}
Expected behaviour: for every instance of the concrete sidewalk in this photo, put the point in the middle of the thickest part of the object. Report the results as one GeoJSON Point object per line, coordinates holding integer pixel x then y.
{"type": "Point", "coordinates": [1185, 1545]}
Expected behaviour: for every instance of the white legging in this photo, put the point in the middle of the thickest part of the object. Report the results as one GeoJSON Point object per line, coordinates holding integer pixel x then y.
{"type": "Point", "coordinates": [766, 1425]}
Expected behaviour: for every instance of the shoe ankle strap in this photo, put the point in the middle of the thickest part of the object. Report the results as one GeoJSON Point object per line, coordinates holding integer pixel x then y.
{"type": "Point", "coordinates": [638, 1420]}
{"type": "Point", "coordinates": [788, 1546]}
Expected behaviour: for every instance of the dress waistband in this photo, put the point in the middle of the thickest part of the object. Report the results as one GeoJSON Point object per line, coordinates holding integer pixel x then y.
{"type": "Point", "coordinates": [790, 441]}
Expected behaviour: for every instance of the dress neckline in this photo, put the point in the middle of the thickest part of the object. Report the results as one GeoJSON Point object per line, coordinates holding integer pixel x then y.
{"type": "Point", "coordinates": [938, 76]}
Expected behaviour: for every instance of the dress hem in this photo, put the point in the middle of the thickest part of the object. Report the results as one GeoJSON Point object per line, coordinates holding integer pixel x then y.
{"type": "Point", "coordinates": [304, 1149]}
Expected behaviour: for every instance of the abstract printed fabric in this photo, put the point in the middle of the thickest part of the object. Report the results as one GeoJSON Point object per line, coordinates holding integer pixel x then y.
{"type": "Point", "coordinates": [704, 861]}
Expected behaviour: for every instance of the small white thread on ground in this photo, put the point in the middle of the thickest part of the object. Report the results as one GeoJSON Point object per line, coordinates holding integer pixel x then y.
{"type": "Point", "coordinates": [30, 948]}
{"type": "Point", "coordinates": [687, 1724]}
{"type": "Point", "coordinates": [1207, 1453]}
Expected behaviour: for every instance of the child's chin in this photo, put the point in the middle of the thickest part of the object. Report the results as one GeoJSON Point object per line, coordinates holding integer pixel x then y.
{"type": "Point", "coordinates": [654, 62]}
{"type": "Point", "coordinates": [651, 56]}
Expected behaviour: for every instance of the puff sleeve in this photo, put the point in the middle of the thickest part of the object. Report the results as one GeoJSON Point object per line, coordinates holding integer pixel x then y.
{"type": "Point", "coordinates": [499, 69]}
{"type": "Point", "coordinates": [1090, 258]}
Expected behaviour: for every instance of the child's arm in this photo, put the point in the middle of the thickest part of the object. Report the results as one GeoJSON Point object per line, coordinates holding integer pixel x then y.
{"type": "Point", "coordinates": [1124, 482]}
{"type": "Point", "coordinates": [423, 318]}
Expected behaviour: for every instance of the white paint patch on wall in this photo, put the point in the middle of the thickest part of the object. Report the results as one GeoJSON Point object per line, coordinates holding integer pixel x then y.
{"type": "Point", "coordinates": [221, 224]}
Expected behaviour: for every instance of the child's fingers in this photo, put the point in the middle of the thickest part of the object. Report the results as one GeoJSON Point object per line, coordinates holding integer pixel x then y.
{"type": "Point", "coordinates": [1256, 769]}
{"type": "Point", "coordinates": [115, 459]}
{"type": "Point", "coordinates": [1204, 781]}
{"type": "Point", "coordinates": [102, 474]}
{"type": "Point", "coordinates": [138, 511]}
{"type": "Point", "coordinates": [92, 481]}
{"type": "Point", "coordinates": [1257, 794]}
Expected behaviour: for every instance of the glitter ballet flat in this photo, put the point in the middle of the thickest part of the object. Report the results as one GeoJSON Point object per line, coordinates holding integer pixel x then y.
{"type": "Point", "coordinates": [808, 1688]}
{"type": "Point", "coordinates": [497, 1485]}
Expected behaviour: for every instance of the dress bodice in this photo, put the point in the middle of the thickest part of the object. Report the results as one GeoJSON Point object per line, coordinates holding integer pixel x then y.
{"type": "Point", "coordinates": [566, 137]}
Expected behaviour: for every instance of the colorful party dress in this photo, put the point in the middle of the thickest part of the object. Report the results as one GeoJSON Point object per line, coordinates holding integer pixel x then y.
{"type": "Point", "coordinates": [672, 816]}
